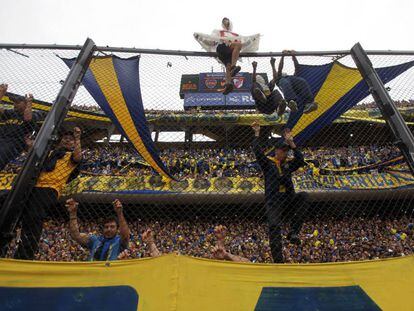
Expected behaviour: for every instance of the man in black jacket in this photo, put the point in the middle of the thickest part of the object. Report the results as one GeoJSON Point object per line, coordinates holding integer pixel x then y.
{"type": "Point", "coordinates": [15, 125]}
{"type": "Point", "coordinates": [282, 203]}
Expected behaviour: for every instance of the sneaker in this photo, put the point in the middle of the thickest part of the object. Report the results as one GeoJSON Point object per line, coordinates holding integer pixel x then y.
{"type": "Point", "coordinates": [293, 106]}
{"type": "Point", "coordinates": [228, 88]}
{"type": "Point", "coordinates": [281, 108]}
{"type": "Point", "coordinates": [234, 70]}
{"type": "Point", "coordinates": [310, 107]}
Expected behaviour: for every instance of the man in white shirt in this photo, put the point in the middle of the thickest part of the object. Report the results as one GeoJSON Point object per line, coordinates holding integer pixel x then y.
{"type": "Point", "coordinates": [228, 46]}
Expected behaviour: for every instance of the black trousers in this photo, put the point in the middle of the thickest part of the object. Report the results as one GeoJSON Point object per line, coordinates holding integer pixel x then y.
{"type": "Point", "coordinates": [284, 209]}
{"type": "Point", "coordinates": [32, 217]}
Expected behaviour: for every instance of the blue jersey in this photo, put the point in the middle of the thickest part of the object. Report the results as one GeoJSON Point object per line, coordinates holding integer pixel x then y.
{"type": "Point", "coordinates": [103, 249]}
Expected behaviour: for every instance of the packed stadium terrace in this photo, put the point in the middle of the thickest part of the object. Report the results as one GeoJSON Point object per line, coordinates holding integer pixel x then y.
{"type": "Point", "coordinates": [322, 241]}
{"type": "Point", "coordinates": [123, 160]}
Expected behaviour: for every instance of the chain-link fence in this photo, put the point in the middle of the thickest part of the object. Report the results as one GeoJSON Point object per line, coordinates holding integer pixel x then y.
{"type": "Point", "coordinates": [156, 132]}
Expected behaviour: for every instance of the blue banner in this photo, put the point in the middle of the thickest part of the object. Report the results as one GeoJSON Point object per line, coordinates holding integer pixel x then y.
{"type": "Point", "coordinates": [114, 84]}
{"type": "Point", "coordinates": [219, 101]}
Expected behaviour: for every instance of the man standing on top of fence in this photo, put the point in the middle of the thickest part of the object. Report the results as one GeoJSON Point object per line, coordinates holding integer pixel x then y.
{"type": "Point", "coordinates": [282, 203]}
{"type": "Point", "coordinates": [228, 46]}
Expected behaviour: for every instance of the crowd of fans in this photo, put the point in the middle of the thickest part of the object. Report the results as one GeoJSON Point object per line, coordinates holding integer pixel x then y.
{"type": "Point", "coordinates": [321, 241]}
{"type": "Point", "coordinates": [235, 162]}
{"type": "Point", "coordinates": [226, 162]}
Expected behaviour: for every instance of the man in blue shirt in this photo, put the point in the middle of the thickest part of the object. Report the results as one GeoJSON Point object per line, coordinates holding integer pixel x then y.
{"type": "Point", "coordinates": [106, 246]}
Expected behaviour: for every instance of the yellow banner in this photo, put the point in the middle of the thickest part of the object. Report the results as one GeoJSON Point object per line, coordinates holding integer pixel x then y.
{"type": "Point", "coordinates": [174, 282]}
{"type": "Point", "coordinates": [389, 180]}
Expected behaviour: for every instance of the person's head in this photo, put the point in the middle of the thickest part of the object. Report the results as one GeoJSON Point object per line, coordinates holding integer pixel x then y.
{"type": "Point", "coordinates": [226, 24]}
{"type": "Point", "coordinates": [67, 141]}
{"type": "Point", "coordinates": [281, 150]}
{"type": "Point", "coordinates": [110, 227]}
{"type": "Point", "coordinates": [19, 103]}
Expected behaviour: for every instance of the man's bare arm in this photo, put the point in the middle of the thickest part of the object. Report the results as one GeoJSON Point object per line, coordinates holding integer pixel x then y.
{"type": "Point", "coordinates": [81, 238]}
{"type": "Point", "coordinates": [124, 231]}
{"type": "Point", "coordinates": [254, 64]}
{"type": "Point", "coordinates": [77, 152]}
{"type": "Point", "coordinates": [28, 112]}
{"type": "Point", "coordinates": [148, 238]}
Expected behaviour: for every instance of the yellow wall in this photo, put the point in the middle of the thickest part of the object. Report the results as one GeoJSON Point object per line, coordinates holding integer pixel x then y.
{"type": "Point", "coordinates": [173, 282]}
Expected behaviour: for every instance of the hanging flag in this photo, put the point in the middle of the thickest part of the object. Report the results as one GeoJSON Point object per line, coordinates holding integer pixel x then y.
{"type": "Point", "coordinates": [114, 84]}
{"type": "Point", "coordinates": [336, 89]}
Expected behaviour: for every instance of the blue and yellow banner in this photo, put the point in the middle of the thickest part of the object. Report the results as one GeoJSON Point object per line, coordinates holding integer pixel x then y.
{"type": "Point", "coordinates": [114, 84]}
{"type": "Point", "coordinates": [336, 89]}
{"type": "Point", "coordinates": [174, 282]}
{"type": "Point", "coordinates": [392, 179]}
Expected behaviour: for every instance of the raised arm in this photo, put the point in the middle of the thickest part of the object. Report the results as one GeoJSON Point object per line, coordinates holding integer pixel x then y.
{"type": "Point", "coordinates": [81, 238]}
{"type": "Point", "coordinates": [77, 152]}
{"type": "Point", "coordinates": [298, 160]}
{"type": "Point", "coordinates": [257, 147]}
{"type": "Point", "coordinates": [28, 112]}
{"type": "Point", "coordinates": [280, 67]}
{"type": "Point", "coordinates": [148, 238]}
{"type": "Point", "coordinates": [219, 251]}
{"type": "Point", "coordinates": [254, 64]}
{"type": "Point", "coordinates": [273, 64]}
{"type": "Point", "coordinates": [295, 61]}
{"type": "Point", "coordinates": [123, 226]}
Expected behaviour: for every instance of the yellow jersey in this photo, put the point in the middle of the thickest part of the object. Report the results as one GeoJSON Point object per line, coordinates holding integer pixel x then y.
{"type": "Point", "coordinates": [58, 178]}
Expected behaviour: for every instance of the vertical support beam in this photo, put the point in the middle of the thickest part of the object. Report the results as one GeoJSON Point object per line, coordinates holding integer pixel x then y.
{"type": "Point", "coordinates": [27, 177]}
{"type": "Point", "coordinates": [403, 137]}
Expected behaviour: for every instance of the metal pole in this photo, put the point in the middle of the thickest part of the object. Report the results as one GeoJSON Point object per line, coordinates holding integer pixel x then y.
{"type": "Point", "coordinates": [26, 179]}
{"type": "Point", "coordinates": [191, 53]}
{"type": "Point", "coordinates": [404, 137]}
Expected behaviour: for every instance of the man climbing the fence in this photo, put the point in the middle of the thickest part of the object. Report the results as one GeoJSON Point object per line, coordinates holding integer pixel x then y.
{"type": "Point", "coordinates": [60, 167]}
{"type": "Point", "coordinates": [282, 203]}
{"type": "Point", "coordinates": [267, 98]}
{"type": "Point", "coordinates": [294, 87]}
{"type": "Point", "coordinates": [228, 46]}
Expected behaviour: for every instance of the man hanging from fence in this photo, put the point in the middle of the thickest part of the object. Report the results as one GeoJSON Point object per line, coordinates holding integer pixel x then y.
{"type": "Point", "coordinates": [15, 125]}
{"type": "Point", "coordinates": [294, 87]}
{"type": "Point", "coordinates": [228, 46]}
{"type": "Point", "coordinates": [115, 235]}
{"type": "Point", "coordinates": [266, 97]}
{"type": "Point", "coordinates": [60, 167]}
{"type": "Point", "coordinates": [282, 203]}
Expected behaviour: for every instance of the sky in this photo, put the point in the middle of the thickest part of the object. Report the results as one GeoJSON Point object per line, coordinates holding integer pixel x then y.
{"type": "Point", "coordinates": [296, 24]}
